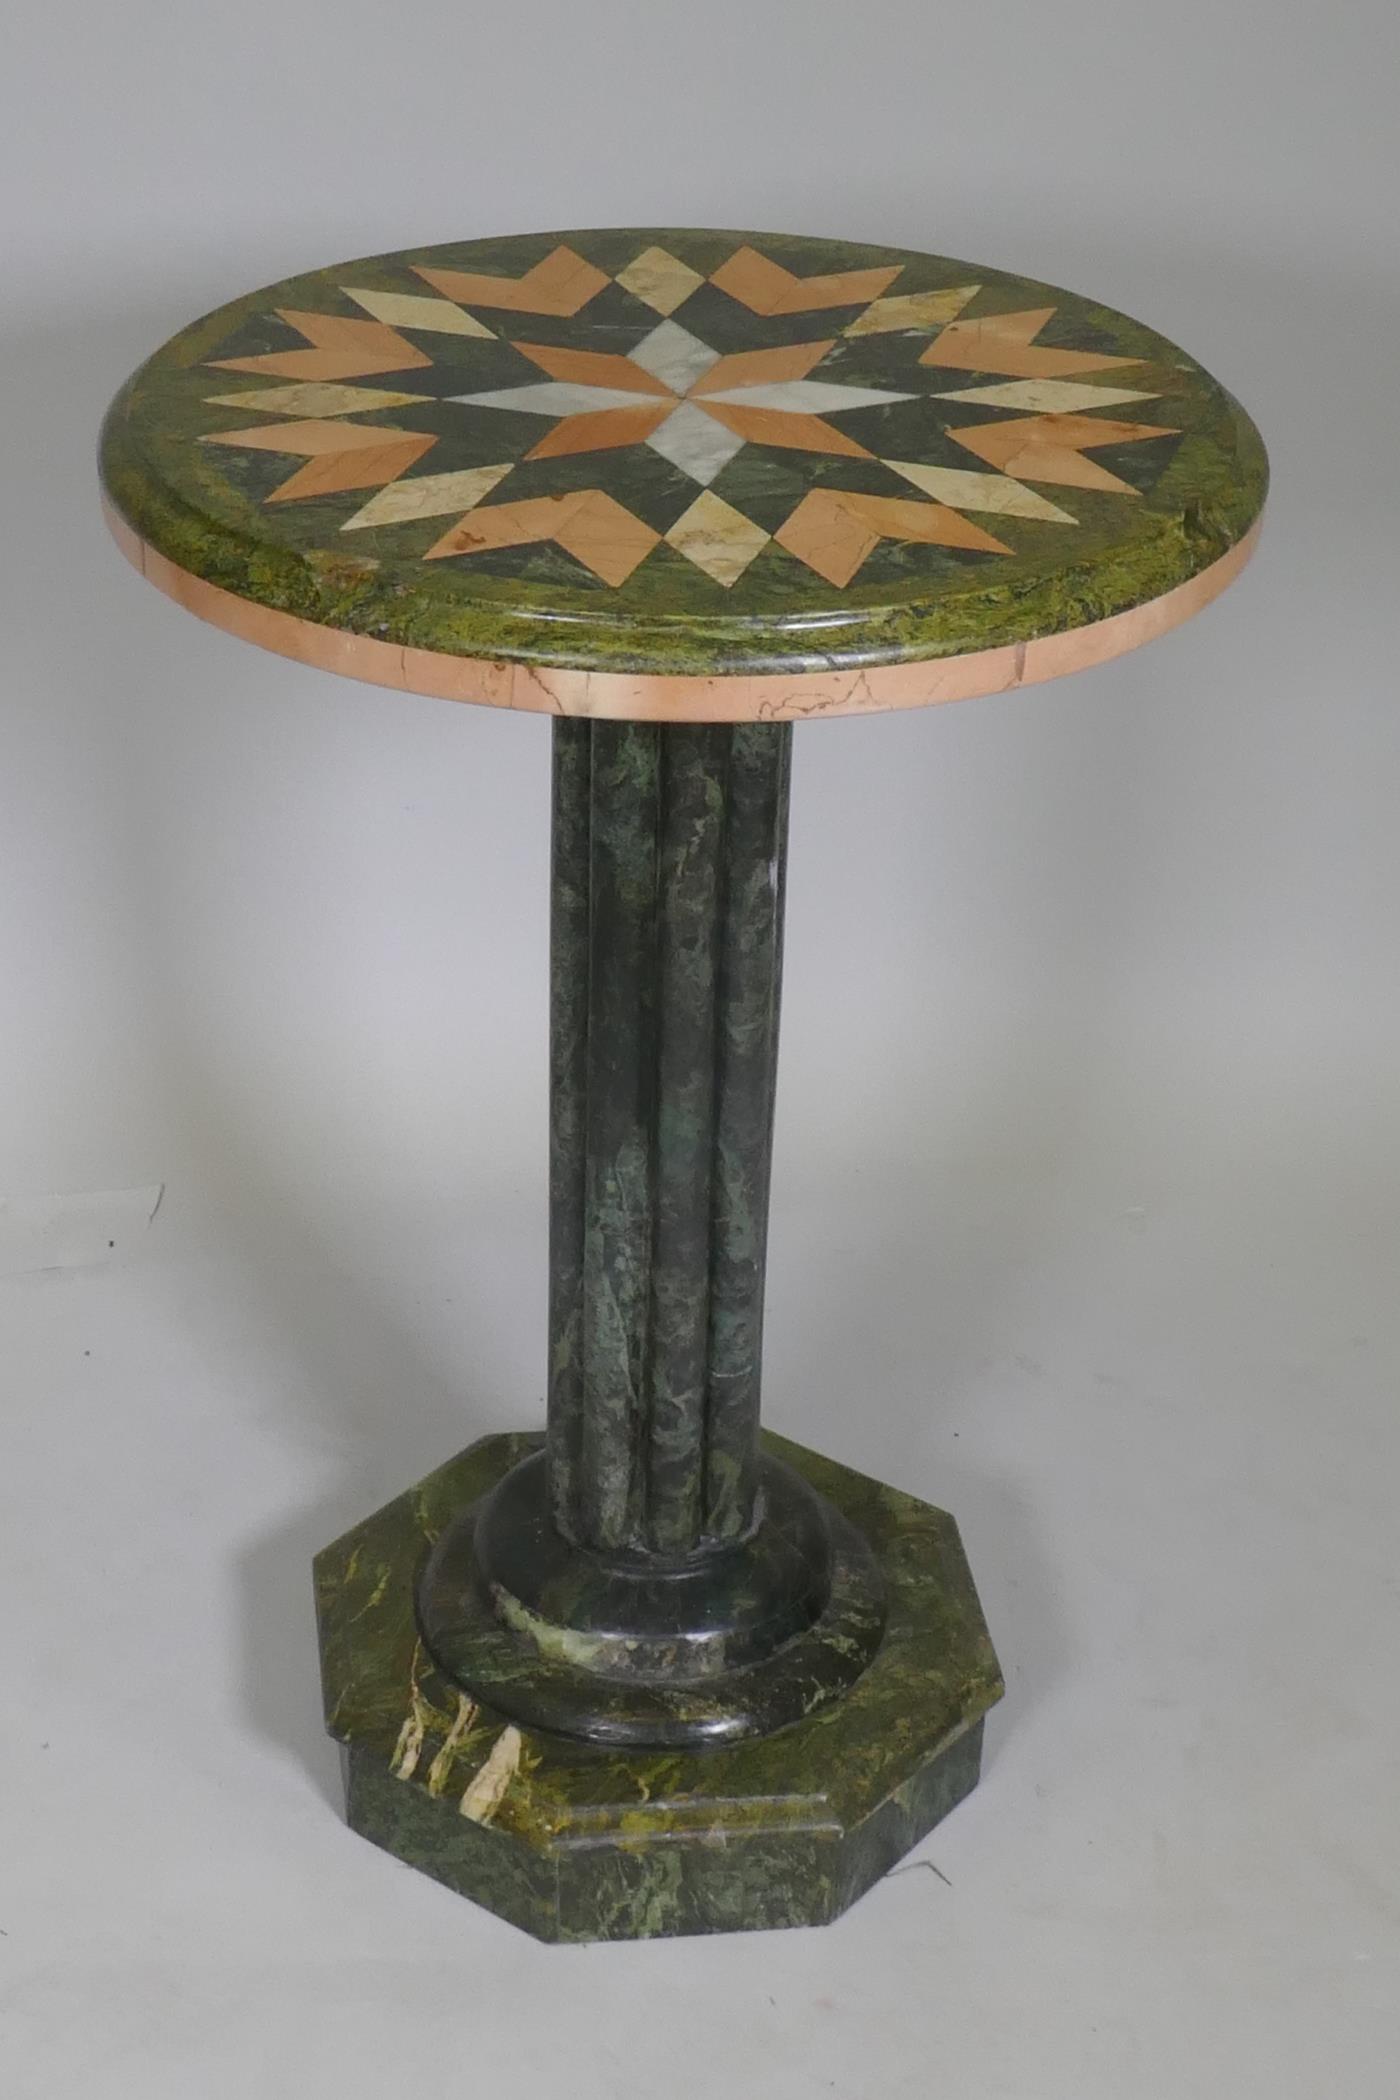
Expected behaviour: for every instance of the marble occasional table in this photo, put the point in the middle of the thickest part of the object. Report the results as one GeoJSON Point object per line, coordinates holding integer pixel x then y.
{"type": "Point", "coordinates": [655, 1671]}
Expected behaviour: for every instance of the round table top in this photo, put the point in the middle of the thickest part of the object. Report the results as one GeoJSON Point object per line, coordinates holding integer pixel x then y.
{"type": "Point", "coordinates": [681, 475]}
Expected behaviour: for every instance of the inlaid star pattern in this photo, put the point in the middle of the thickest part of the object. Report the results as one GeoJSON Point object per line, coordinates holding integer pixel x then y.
{"type": "Point", "coordinates": [1032, 413]}
{"type": "Point", "coordinates": [690, 404]}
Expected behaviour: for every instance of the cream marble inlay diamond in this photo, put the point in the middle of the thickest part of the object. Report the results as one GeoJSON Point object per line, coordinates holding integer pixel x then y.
{"type": "Point", "coordinates": [660, 280]}
{"type": "Point", "coordinates": [717, 538]}
{"type": "Point", "coordinates": [430, 496]}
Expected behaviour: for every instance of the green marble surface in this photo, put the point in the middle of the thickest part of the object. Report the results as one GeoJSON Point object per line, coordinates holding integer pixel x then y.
{"type": "Point", "coordinates": [668, 877]}
{"type": "Point", "coordinates": [1185, 496]}
{"type": "Point", "coordinates": [579, 1842]}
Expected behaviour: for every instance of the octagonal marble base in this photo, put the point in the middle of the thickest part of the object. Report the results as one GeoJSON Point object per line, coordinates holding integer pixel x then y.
{"type": "Point", "coordinates": [572, 1841]}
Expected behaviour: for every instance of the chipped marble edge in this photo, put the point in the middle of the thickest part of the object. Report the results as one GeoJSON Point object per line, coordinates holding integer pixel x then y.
{"type": "Point", "coordinates": [777, 696]}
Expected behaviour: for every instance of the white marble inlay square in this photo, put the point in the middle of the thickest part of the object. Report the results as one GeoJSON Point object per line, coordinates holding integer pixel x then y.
{"type": "Point", "coordinates": [556, 397]}
{"type": "Point", "coordinates": [806, 397]}
{"type": "Point", "coordinates": [695, 443]}
{"type": "Point", "coordinates": [674, 356]}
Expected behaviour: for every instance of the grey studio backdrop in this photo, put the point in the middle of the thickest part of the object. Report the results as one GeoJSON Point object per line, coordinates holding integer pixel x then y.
{"type": "Point", "coordinates": [1085, 1201]}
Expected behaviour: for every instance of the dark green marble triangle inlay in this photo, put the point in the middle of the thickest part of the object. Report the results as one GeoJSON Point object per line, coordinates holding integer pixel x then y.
{"type": "Point", "coordinates": [216, 509]}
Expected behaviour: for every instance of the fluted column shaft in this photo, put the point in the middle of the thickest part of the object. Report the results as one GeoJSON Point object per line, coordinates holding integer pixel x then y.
{"type": "Point", "coordinates": [666, 943]}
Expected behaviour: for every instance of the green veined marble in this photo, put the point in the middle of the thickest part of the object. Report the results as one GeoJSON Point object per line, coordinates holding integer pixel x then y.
{"type": "Point", "coordinates": [687, 567]}
{"type": "Point", "coordinates": [573, 1841]}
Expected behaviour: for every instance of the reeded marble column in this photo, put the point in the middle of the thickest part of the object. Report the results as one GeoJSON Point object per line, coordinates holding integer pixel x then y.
{"type": "Point", "coordinates": [650, 1576]}
{"type": "Point", "coordinates": [669, 851]}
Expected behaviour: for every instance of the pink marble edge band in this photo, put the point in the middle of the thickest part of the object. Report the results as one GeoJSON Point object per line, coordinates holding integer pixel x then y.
{"type": "Point", "coordinates": [778, 696]}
